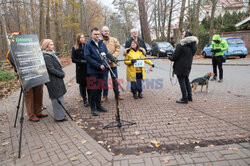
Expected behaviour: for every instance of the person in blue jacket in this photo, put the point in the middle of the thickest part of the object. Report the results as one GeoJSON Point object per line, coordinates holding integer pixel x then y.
{"type": "Point", "coordinates": [94, 53]}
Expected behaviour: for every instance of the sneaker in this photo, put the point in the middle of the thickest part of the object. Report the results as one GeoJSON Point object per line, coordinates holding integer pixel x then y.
{"type": "Point", "coordinates": [214, 79]}
{"type": "Point", "coordinates": [220, 80]}
{"type": "Point", "coordinates": [65, 119]}
{"type": "Point", "coordinates": [85, 103]}
{"type": "Point", "coordinates": [94, 112]}
{"type": "Point", "coordinates": [104, 99]}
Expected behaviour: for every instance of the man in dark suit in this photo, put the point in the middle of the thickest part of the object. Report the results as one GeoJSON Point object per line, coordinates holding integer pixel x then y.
{"type": "Point", "coordinates": [94, 53]}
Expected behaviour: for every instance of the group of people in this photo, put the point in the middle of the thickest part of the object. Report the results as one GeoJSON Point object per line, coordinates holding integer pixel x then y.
{"type": "Point", "coordinates": [93, 64]}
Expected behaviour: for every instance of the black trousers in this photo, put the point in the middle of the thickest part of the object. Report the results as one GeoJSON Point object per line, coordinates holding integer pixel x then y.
{"type": "Point", "coordinates": [217, 61]}
{"type": "Point", "coordinates": [95, 84]}
{"type": "Point", "coordinates": [185, 87]}
{"type": "Point", "coordinates": [83, 91]}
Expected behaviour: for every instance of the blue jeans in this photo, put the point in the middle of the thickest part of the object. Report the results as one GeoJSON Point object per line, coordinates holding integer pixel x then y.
{"type": "Point", "coordinates": [115, 84]}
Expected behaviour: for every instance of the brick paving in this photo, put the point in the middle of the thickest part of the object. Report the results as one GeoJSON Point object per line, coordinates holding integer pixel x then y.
{"type": "Point", "coordinates": [212, 130]}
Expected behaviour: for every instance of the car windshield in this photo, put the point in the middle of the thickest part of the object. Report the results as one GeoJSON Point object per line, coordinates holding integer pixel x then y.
{"type": "Point", "coordinates": [165, 45]}
{"type": "Point", "coordinates": [235, 41]}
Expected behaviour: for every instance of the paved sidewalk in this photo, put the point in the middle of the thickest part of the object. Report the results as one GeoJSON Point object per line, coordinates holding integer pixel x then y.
{"type": "Point", "coordinates": [229, 62]}
{"type": "Point", "coordinates": [66, 143]}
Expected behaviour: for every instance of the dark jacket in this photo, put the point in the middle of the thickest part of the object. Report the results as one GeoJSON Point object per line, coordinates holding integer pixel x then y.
{"type": "Point", "coordinates": [93, 57]}
{"type": "Point", "coordinates": [139, 40]}
{"type": "Point", "coordinates": [183, 55]}
{"type": "Point", "coordinates": [56, 86]}
{"type": "Point", "coordinates": [77, 56]}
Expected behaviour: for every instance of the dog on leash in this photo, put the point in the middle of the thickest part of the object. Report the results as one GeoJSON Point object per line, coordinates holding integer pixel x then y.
{"type": "Point", "coordinates": [201, 81]}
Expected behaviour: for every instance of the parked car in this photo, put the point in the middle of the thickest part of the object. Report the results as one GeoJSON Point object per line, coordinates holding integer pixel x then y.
{"type": "Point", "coordinates": [149, 48]}
{"type": "Point", "coordinates": [162, 49]}
{"type": "Point", "coordinates": [236, 47]}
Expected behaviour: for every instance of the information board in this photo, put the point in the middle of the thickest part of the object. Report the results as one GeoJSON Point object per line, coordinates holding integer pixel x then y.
{"type": "Point", "coordinates": [28, 59]}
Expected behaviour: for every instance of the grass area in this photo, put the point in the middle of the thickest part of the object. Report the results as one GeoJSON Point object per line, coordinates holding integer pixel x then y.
{"type": "Point", "coordinates": [8, 82]}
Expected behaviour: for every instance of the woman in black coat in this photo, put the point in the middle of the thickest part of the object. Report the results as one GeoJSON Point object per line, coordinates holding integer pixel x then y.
{"type": "Point", "coordinates": [183, 58]}
{"type": "Point", "coordinates": [77, 57]}
{"type": "Point", "coordinates": [56, 86]}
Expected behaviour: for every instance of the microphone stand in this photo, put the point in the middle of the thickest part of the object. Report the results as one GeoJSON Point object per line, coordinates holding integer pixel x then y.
{"type": "Point", "coordinates": [118, 122]}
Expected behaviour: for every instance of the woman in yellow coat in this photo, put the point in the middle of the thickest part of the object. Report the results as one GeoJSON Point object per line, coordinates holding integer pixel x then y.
{"type": "Point", "coordinates": [135, 68]}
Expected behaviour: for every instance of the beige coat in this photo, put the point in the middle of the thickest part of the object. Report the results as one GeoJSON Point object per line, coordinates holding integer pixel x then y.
{"type": "Point", "coordinates": [113, 46]}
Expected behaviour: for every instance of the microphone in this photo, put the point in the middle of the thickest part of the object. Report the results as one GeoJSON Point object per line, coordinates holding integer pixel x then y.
{"type": "Point", "coordinates": [111, 58]}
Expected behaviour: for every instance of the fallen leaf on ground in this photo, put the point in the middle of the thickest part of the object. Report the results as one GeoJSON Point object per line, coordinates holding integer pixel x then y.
{"type": "Point", "coordinates": [196, 142]}
{"type": "Point", "coordinates": [39, 147]}
{"type": "Point", "coordinates": [197, 147]}
{"type": "Point", "coordinates": [73, 116]}
{"type": "Point", "coordinates": [179, 122]}
{"type": "Point", "coordinates": [5, 143]}
{"type": "Point", "coordinates": [51, 133]}
{"type": "Point", "coordinates": [88, 153]}
{"type": "Point", "coordinates": [120, 154]}
{"type": "Point", "coordinates": [236, 149]}
{"type": "Point", "coordinates": [84, 141]}
{"type": "Point", "coordinates": [100, 142]}
{"type": "Point", "coordinates": [166, 160]}
{"type": "Point", "coordinates": [142, 138]}
{"type": "Point", "coordinates": [238, 135]}
{"type": "Point", "coordinates": [211, 145]}
{"type": "Point", "coordinates": [92, 128]}
{"type": "Point", "coordinates": [141, 152]}
{"type": "Point", "coordinates": [79, 148]}
{"type": "Point", "coordinates": [22, 156]}
{"type": "Point", "coordinates": [75, 136]}
{"type": "Point", "coordinates": [73, 158]}
{"type": "Point", "coordinates": [182, 143]}
{"type": "Point", "coordinates": [137, 132]}
{"type": "Point", "coordinates": [178, 146]}
{"type": "Point", "coordinates": [2, 126]}
{"type": "Point", "coordinates": [156, 143]}
{"type": "Point", "coordinates": [113, 154]}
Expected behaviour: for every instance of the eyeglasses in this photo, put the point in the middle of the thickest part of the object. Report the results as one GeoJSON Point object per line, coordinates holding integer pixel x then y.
{"type": "Point", "coordinates": [96, 34]}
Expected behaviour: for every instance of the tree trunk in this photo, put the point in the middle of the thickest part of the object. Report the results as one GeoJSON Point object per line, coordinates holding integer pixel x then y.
{"type": "Point", "coordinates": [170, 19]}
{"type": "Point", "coordinates": [4, 37]}
{"type": "Point", "coordinates": [41, 20]}
{"type": "Point", "coordinates": [197, 18]}
{"type": "Point", "coordinates": [32, 17]}
{"type": "Point", "coordinates": [48, 20]}
{"type": "Point", "coordinates": [144, 23]}
{"type": "Point", "coordinates": [181, 19]}
{"type": "Point", "coordinates": [211, 30]}
{"type": "Point", "coordinates": [57, 28]}
{"type": "Point", "coordinates": [155, 20]}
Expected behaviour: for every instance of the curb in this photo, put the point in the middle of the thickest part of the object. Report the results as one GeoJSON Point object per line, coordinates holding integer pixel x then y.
{"type": "Point", "coordinates": [223, 64]}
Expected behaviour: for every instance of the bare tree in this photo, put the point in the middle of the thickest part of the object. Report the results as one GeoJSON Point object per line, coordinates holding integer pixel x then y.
{"type": "Point", "coordinates": [48, 20]}
{"type": "Point", "coordinates": [41, 20]}
{"type": "Point", "coordinates": [211, 31]}
{"type": "Point", "coordinates": [170, 19]}
{"type": "Point", "coordinates": [197, 18]}
{"type": "Point", "coordinates": [181, 18]}
{"type": "Point", "coordinates": [144, 23]}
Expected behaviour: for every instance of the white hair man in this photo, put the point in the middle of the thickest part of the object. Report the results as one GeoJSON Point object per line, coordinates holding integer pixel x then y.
{"type": "Point", "coordinates": [113, 46]}
{"type": "Point", "coordinates": [134, 36]}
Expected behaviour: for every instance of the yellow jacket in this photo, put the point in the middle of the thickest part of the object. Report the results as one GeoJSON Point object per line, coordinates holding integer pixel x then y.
{"type": "Point", "coordinates": [113, 47]}
{"type": "Point", "coordinates": [131, 70]}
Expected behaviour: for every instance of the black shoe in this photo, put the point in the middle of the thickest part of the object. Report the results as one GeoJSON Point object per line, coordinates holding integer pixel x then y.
{"type": "Point", "coordinates": [61, 120]}
{"type": "Point", "coordinates": [94, 112]}
{"type": "Point", "coordinates": [214, 79]}
{"type": "Point", "coordinates": [182, 101]}
{"type": "Point", "coordinates": [85, 103]}
{"type": "Point", "coordinates": [101, 109]}
{"type": "Point", "coordinates": [220, 80]}
{"type": "Point", "coordinates": [140, 95]}
{"type": "Point", "coordinates": [135, 96]}
{"type": "Point", "coordinates": [190, 99]}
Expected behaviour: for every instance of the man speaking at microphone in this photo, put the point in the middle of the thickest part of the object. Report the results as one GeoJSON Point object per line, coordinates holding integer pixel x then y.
{"type": "Point", "coordinates": [94, 53]}
{"type": "Point", "coordinates": [113, 46]}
